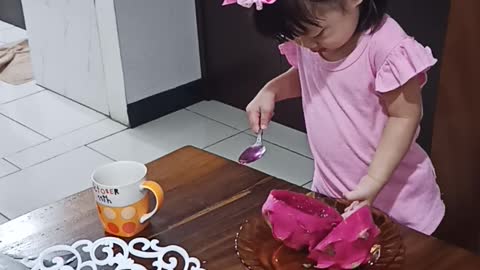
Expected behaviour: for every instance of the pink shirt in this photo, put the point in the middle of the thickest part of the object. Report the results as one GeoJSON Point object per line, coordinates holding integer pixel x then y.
{"type": "Point", "coordinates": [345, 121]}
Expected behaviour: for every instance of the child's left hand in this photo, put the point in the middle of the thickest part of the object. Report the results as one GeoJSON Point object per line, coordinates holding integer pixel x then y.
{"type": "Point", "coordinates": [365, 192]}
{"type": "Point", "coordinates": [354, 207]}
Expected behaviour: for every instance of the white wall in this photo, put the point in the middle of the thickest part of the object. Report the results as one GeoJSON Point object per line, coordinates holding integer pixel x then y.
{"type": "Point", "coordinates": [65, 49]}
{"type": "Point", "coordinates": [158, 45]}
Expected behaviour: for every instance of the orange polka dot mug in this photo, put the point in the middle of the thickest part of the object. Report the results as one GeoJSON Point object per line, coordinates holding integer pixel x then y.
{"type": "Point", "coordinates": [120, 190]}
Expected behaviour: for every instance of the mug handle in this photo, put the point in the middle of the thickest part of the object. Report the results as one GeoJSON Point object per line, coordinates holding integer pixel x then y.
{"type": "Point", "coordinates": [157, 191]}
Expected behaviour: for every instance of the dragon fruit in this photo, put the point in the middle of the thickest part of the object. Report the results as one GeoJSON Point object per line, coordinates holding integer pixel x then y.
{"type": "Point", "coordinates": [298, 220]}
{"type": "Point", "coordinates": [348, 245]}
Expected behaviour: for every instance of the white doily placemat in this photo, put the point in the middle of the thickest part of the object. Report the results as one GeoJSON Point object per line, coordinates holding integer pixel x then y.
{"type": "Point", "coordinates": [100, 254]}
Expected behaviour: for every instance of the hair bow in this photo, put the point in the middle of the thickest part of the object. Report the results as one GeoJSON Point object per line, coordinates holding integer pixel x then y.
{"type": "Point", "coordinates": [249, 3]}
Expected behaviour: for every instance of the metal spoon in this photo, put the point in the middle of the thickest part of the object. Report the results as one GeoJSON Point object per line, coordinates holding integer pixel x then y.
{"type": "Point", "coordinates": [254, 152]}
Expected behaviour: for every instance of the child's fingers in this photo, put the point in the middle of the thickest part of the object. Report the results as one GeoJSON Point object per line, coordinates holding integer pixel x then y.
{"type": "Point", "coordinates": [253, 119]}
{"type": "Point", "coordinates": [349, 210]}
{"type": "Point", "coordinates": [351, 206]}
{"type": "Point", "coordinates": [265, 118]}
{"type": "Point", "coordinates": [362, 204]}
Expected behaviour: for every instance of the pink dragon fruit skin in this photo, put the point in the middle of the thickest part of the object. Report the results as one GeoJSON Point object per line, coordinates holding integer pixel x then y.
{"type": "Point", "coordinates": [348, 245]}
{"type": "Point", "coordinates": [298, 220]}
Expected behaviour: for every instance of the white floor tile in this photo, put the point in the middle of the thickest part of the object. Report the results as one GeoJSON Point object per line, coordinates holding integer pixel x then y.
{"type": "Point", "coordinates": [4, 25]}
{"type": "Point", "coordinates": [65, 143]}
{"type": "Point", "coordinates": [14, 34]}
{"type": "Point", "coordinates": [222, 113]}
{"type": "Point", "coordinates": [10, 92]}
{"type": "Point", "coordinates": [277, 161]}
{"type": "Point", "coordinates": [6, 168]}
{"type": "Point", "coordinates": [15, 137]}
{"type": "Point", "coordinates": [3, 219]}
{"type": "Point", "coordinates": [289, 138]}
{"type": "Point", "coordinates": [48, 182]}
{"type": "Point", "coordinates": [50, 114]}
{"type": "Point", "coordinates": [162, 136]}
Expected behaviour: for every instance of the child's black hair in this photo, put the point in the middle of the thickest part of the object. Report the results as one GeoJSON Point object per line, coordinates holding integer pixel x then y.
{"type": "Point", "coordinates": [287, 19]}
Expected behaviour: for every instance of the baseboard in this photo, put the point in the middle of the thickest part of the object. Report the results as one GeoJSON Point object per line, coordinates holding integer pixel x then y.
{"type": "Point", "coordinates": [163, 103]}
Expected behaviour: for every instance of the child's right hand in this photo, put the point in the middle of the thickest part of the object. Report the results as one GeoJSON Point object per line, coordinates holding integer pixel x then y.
{"type": "Point", "coordinates": [260, 110]}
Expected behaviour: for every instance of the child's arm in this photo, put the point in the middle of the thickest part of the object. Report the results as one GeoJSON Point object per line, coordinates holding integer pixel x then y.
{"type": "Point", "coordinates": [404, 107]}
{"type": "Point", "coordinates": [260, 110]}
{"type": "Point", "coordinates": [286, 85]}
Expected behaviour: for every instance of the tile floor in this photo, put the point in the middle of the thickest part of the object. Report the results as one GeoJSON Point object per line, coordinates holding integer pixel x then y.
{"type": "Point", "coordinates": [49, 145]}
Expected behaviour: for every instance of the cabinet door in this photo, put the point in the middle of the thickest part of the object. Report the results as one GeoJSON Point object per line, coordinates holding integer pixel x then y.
{"type": "Point", "coordinates": [456, 138]}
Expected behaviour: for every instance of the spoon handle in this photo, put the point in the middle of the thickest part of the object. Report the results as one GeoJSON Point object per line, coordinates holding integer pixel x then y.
{"type": "Point", "coordinates": [259, 137]}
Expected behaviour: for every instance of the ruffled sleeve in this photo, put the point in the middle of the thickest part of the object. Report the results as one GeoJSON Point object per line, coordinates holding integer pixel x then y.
{"type": "Point", "coordinates": [406, 61]}
{"type": "Point", "coordinates": [289, 50]}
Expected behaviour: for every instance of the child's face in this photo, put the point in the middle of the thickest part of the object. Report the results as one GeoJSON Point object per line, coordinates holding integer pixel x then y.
{"type": "Point", "coordinates": [336, 26]}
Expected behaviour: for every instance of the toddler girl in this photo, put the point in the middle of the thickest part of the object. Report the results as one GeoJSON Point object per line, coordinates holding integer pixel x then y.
{"type": "Point", "coordinates": [360, 78]}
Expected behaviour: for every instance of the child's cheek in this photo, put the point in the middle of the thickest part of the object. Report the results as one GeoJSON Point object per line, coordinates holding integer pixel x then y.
{"type": "Point", "coordinates": [333, 41]}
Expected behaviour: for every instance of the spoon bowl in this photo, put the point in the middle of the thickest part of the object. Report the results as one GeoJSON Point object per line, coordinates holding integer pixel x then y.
{"type": "Point", "coordinates": [254, 152]}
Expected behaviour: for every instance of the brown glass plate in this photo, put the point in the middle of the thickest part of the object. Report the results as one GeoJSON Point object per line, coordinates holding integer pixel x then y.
{"type": "Point", "coordinates": [258, 250]}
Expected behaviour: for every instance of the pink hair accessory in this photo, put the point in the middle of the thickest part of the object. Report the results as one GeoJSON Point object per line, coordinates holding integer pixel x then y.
{"type": "Point", "coordinates": [249, 3]}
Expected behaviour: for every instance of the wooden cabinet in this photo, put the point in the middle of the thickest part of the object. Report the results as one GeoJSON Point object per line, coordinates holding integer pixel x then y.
{"type": "Point", "coordinates": [456, 138]}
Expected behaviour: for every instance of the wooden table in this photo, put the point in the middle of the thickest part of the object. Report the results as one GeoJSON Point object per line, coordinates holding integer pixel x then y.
{"type": "Point", "coordinates": [207, 199]}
